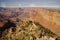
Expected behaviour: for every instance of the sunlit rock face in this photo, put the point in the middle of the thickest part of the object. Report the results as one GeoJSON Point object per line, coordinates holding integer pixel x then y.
{"type": "Point", "coordinates": [24, 18]}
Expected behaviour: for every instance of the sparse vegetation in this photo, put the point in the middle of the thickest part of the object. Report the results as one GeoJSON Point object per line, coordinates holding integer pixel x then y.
{"type": "Point", "coordinates": [47, 31]}
{"type": "Point", "coordinates": [24, 31]}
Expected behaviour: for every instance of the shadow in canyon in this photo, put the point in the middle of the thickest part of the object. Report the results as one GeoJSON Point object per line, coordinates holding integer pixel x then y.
{"type": "Point", "coordinates": [7, 25]}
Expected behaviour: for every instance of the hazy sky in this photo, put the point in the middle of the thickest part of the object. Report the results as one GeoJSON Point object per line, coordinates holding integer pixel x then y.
{"type": "Point", "coordinates": [30, 3]}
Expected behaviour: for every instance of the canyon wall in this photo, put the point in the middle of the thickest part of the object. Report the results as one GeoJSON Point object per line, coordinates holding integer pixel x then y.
{"type": "Point", "coordinates": [48, 19]}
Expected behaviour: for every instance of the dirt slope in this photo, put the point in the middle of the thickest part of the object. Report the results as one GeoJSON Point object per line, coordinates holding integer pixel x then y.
{"type": "Point", "coordinates": [48, 19]}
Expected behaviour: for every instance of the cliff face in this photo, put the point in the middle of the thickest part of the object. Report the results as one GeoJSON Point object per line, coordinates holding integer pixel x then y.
{"type": "Point", "coordinates": [47, 18]}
